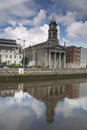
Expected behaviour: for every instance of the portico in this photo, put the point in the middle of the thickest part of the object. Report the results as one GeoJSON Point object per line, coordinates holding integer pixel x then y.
{"type": "Point", "coordinates": [57, 59]}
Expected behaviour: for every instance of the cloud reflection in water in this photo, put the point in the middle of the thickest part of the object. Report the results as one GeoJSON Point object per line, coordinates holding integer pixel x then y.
{"type": "Point", "coordinates": [14, 110]}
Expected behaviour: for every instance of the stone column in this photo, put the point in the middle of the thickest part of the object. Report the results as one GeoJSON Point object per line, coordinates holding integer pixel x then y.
{"type": "Point", "coordinates": [58, 90]}
{"type": "Point", "coordinates": [48, 91]}
{"type": "Point", "coordinates": [32, 92]}
{"type": "Point", "coordinates": [55, 60]}
{"type": "Point", "coordinates": [64, 60]}
{"type": "Point", "coordinates": [59, 60]}
{"type": "Point", "coordinates": [64, 89]}
{"type": "Point", "coordinates": [53, 90]}
{"type": "Point", "coordinates": [49, 59]}
{"type": "Point", "coordinates": [34, 57]}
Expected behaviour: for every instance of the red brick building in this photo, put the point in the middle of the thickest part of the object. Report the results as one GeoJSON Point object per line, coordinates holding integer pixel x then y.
{"type": "Point", "coordinates": [73, 57]}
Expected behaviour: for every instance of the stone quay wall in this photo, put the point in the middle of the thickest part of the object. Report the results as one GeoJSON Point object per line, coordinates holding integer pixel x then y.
{"type": "Point", "coordinates": [15, 71]}
{"type": "Point", "coordinates": [12, 75]}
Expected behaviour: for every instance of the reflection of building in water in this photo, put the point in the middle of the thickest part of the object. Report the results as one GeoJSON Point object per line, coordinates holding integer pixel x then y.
{"type": "Point", "coordinates": [10, 89]}
{"type": "Point", "coordinates": [83, 89]}
{"type": "Point", "coordinates": [72, 90]}
{"type": "Point", "coordinates": [49, 94]}
{"type": "Point", "coordinates": [52, 94]}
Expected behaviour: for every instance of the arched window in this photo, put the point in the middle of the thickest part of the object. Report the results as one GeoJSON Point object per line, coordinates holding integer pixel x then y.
{"type": "Point", "coordinates": [54, 34]}
{"type": "Point", "coordinates": [49, 34]}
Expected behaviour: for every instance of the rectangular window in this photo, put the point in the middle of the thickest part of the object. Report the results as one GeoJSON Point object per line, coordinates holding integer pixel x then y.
{"type": "Point", "coordinates": [14, 56]}
{"type": "Point", "coordinates": [10, 56]}
{"type": "Point", "coordinates": [6, 56]}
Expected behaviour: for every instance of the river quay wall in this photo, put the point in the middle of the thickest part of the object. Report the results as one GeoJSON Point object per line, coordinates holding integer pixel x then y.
{"type": "Point", "coordinates": [12, 74]}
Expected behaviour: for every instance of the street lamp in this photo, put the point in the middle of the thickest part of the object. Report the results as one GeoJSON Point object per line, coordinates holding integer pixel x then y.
{"type": "Point", "coordinates": [24, 50]}
{"type": "Point", "coordinates": [23, 53]}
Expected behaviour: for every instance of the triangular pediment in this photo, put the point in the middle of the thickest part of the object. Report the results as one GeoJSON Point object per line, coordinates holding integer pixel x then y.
{"type": "Point", "coordinates": [56, 47]}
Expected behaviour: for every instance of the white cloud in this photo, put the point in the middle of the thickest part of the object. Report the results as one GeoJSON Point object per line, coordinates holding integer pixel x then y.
{"type": "Point", "coordinates": [17, 13]}
{"type": "Point", "coordinates": [36, 34]}
{"type": "Point", "coordinates": [14, 110]}
{"type": "Point", "coordinates": [16, 32]}
{"type": "Point", "coordinates": [73, 42]}
{"type": "Point", "coordinates": [77, 30]}
{"type": "Point", "coordinates": [40, 17]}
{"type": "Point", "coordinates": [10, 10]}
{"type": "Point", "coordinates": [21, 10]}
{"type": "Point", "coordinates": [35, 21]}
{"type": "Point", "coordinates": [67, 19]}
{"type": "Point", "coordinates": [77, 6]}
{"type": "Point", "coordinates": [10, 3]}
{"type": "Point", "coordinates": [67, 107]}
{"type": "Point", "coordinates": [37, 108]}
{"type": "Point", "coordinates": [13, 23]}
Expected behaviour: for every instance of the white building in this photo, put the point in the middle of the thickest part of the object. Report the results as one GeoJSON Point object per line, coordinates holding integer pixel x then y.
{"type": "Point", "coordinates": [10, 52]}
{"type": "Point", "coordinates": [83, 57]}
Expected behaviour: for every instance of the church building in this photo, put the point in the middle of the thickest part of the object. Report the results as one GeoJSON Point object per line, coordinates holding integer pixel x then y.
{"type": "Point", "coordinates": [47, 54]}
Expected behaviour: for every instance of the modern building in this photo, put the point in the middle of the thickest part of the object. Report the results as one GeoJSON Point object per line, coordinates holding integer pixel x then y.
{"type": "Point", "coordinates": [10, 52]}
{"type": "Point", "coordinates": [48, 54]}
{"type": "Point", "coordinates": [83, 57]}
{"type": "Point", "coordinates": [72, 57]}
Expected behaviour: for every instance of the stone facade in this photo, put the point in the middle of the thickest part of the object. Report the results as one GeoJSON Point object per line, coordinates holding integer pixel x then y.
{"type": "Point", "coordinates": [48, 54]}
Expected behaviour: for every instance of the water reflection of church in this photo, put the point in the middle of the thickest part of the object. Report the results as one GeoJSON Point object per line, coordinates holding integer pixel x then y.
{"type": "Point", "coordinates": [49, 94]}
{"type": "Point", "coordinates": [52, 94]}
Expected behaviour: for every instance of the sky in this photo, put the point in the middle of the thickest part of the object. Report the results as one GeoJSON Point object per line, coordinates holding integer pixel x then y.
{"type": "Point", "coordinates": [29, 20]}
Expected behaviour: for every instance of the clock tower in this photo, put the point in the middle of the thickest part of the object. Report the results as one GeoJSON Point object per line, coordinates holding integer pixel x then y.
{"type": "Point", "coordinates": [53, 31]}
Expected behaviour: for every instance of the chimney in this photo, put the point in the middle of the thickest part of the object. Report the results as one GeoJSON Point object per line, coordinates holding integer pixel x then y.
{"type": "Point", "coordinates": [64, 44]}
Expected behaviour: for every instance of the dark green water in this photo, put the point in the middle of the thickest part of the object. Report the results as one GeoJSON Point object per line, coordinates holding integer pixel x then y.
{"type": "Point", "coordinates": [44, 106]}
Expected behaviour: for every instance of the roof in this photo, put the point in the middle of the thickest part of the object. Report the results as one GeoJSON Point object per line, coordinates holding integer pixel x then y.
{"type": "Point", "coordinates": [72, 47]}
{"type": "Point", "coordinates": [45, 45]}
{"type": "Point", "coordinates": [39, 45]}
{"type": "Point", "coordinates": [7, 48]}
{"type": "Point", "coordinates": [8, 41]}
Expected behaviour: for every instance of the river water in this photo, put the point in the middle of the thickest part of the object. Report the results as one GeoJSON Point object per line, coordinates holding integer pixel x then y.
{"type": "Point", "coordinates": [53, 105]}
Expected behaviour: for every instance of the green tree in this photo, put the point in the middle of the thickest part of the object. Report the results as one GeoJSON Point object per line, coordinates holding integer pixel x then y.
{"type": "Point", "coordinates": [24, 61]}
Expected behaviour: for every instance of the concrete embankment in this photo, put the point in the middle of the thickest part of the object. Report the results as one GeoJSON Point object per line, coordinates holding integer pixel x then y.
{"type": "Point", "coordinates": [40, 74]}
{"type": "Point", "coordinates": [40, 77]}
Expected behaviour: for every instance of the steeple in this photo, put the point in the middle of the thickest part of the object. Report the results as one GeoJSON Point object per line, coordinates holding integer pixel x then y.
{"type": "Point", "coordinates": [52, 32]}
